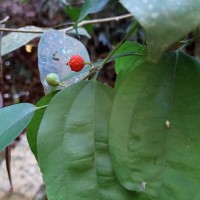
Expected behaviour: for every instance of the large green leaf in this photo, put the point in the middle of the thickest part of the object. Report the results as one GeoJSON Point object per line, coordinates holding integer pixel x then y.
{"type": "Point", "coordinates": [154, 129]}
{"type": "Point", "coordinates": [164, 22]}
{"type": "Point", "coordinates": [72, 145]}
{"type": "Point", "coordinates": [124, 66]}
{"type": "Point", "coordinates": [33, 127]}
{"type": "Point", "coordinates": [13, 120]}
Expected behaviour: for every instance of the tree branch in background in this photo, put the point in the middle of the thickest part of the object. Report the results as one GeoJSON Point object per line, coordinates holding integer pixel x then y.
{"type": "Point", "coordinates": [82, 23]}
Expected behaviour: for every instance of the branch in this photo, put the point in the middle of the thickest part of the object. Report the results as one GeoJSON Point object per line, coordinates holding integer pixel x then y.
{"type": "Point", "coordinates": [82, 23]}
{"type": "Point", "coordinates": [102, 20]}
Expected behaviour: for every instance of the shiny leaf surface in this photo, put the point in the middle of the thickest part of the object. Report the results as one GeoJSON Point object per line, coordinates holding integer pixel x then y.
{"type": "Point", "coordinates": [73, 147]}
{"type": "Point", "coordinates": [155, 119]}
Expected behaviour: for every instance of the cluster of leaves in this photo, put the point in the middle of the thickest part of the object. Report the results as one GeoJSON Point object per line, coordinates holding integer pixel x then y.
{"type": "Point", "coordinates": [138, 140]}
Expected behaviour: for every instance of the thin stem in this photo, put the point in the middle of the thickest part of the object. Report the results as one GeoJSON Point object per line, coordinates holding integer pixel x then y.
{"type": "Point", "coordinates": [21, 31]}
{"type": "Point", "coordinates": [102, 20]}
{"type": "Point", "coordinates": [94, 71]}
{"type": "Point", "coordinates": [190, 40]}
{"type": "Point", "coordinates": [82, 23]}
{"type": "Point", "coordinates": [41, 107]}
{"type": "Point", "coordinates": [62, 84]}
{"type": "Point", "coordinates": [109, 57]}
{"type": "Point", "coordinates": [120, 43]}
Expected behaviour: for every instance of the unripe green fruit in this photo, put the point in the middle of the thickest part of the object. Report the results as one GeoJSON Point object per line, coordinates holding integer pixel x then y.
{"type": "Point", "coordinates": [53, 79]}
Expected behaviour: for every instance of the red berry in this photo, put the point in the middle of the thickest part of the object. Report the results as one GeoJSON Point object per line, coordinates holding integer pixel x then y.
{"type": "Point", "coordinates": [76, 63]}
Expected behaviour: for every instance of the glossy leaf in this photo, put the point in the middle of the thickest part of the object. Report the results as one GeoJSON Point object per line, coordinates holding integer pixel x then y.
{"type": "Point", "coordinates": [165, 22]}
{"type": "Point", "coordinates": [72, 145]}
{"type": "Point", "coordinates": [92, 6]}
{"type": "Point", "coordinates": [58, 49]}
{"type": "Point", "coordinates": [154, 129]}
{"type": "Point", "coordinates": [33, 127]}
{"type": "Point", "coordinates": [124, 65]}
{"type": "Point", "coordinates": [13, 120]}
{"type": "Point", "coordinates": [15, 40]}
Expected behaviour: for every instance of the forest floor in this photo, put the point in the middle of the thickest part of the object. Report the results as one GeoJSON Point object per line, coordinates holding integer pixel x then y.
{"type": "Point", "coordinates": [26, 176]}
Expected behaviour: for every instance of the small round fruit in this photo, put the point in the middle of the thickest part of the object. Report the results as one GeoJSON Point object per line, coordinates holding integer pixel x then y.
{"type": "Point", "coordinates": [53, 79]}
{"type": "Point", "coordinates": [76, 63]}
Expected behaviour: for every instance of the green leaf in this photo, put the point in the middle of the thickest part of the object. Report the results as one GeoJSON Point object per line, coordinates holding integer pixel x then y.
{"type": "Point", "coordinates": [13, 121]}
{"type": "Point", "coordinates": [74, 13]}
{"type": "Point", "coordinates": [72, 145]}
{"type": "Point", "coordinates": [124, 65]}
{"type": "Point", "coordinates": [33, 127]}
{"type": "Point", "coordinates": [161, 161]}
{"type": "Point", "coordinates": [15, 40]}
{"type": "Point", "coordinates": [165, 22]}
{"type": "Point", "coordinates": [92, 6]}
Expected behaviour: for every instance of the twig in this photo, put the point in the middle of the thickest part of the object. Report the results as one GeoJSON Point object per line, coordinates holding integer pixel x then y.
{"type": "Point", "coordinates": [82, 23]}
{"type": "Point", "coordinates": [21, 31]}
{"type": "Point", "coordinates": [120, 43]}
{"type": "Point", "coordinates": [102, 20]}
{"type": "Point", "coordinates": [2, 25]}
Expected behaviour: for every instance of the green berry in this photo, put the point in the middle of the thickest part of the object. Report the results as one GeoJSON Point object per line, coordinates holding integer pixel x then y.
{"type": "Point", "coordinates": [53, 79]}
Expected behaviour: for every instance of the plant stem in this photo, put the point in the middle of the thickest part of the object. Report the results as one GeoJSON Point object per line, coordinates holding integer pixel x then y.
{"type": "Point", "coordinates": [94, 71]}
{"type": "Point", "coordinates": [120, 43]}
{"type": "Point", "coordinates": [62, 84]}
{"type": "Point", "coordinates": [102, 20]}
{"type": "Point", "coordinates": [109, 57]}
{"type": "Point", "coordinates": [82, 23]}
{"type": "Point", "coordinates": [41, 107]}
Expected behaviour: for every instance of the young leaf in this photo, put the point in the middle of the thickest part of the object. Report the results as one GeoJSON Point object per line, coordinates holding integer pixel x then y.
{"type": "Point", "coordinates": [154, 129]}
{"type": "Point", "coordinates": [13, 120]}
{"type": "Point", "coordinates": [92, 6]}
{"type": "Point", "coordinates": [124, 65]}
{"type": "Point", "coordinates": [33, 127]}
{"type": "Point", "coordinates": [58, 49]}
{"type": "Point", "coordinates": [165, 22]}
{"type": "Point", "coordinates": [72, 145]}
{"type": "Point", "coordinates": [13, 41]}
